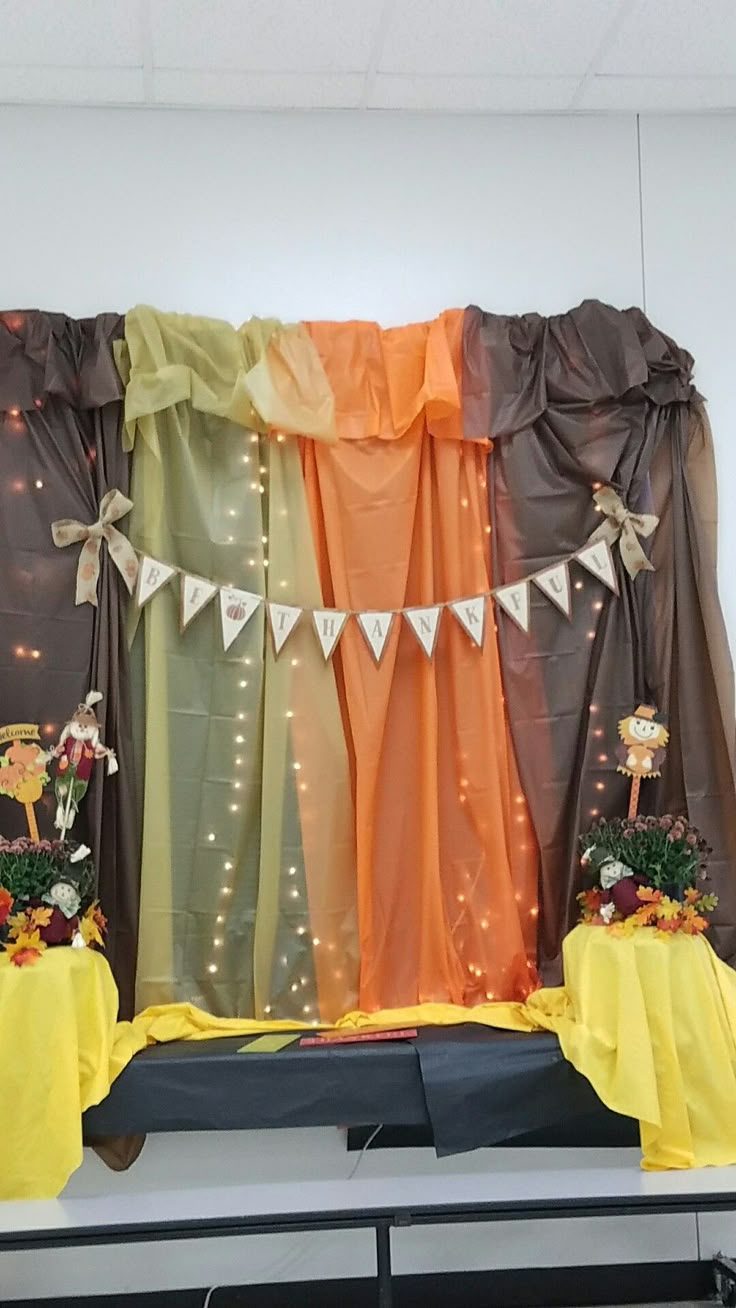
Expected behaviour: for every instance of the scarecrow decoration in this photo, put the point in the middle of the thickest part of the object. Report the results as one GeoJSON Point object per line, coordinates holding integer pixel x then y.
{"type": "Point", "coordinates": [644, 738]}
{"type": "Point", "coordinates": [78, 749]}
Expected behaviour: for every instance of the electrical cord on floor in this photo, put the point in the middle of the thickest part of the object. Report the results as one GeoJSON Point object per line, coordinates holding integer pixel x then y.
{"type": "Point", "coordinates": [358, 1161]}
{"type": "Point", "coordinates": [362, 1153]}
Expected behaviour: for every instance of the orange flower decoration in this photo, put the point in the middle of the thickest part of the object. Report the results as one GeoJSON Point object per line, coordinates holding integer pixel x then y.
{"type": "Point", "coordinates": [27, 949]}
{"type": "Point", "coordinates": [649, 896]}
{"type": "Point", "coordinates": [92, 926]}
{"type": "Point", "coordinates": [6, 904]}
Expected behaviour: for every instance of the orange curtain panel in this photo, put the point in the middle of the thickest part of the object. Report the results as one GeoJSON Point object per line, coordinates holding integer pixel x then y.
{"type": "Point", "coordinates": [446, 858]}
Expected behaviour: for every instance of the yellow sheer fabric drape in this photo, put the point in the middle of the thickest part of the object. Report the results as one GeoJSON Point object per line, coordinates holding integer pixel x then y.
{"type": "Point", "coordinates": [239, 877]}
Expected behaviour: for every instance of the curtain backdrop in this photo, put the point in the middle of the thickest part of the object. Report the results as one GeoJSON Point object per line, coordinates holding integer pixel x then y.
{"type": "Point", "coordinates": [445, 860]}
{"type": "Point", "coordinates": [600, 396]}
{"type": "Point", "coordinates": [248, 874]}
{"type": "Point", "coordinates": [60, 452]}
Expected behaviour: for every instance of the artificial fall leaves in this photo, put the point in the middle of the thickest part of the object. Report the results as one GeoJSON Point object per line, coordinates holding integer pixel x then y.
{"type": "Point", "coordinates": [656, 910]}
{"type": "Point", "coordinates": [25, 945]}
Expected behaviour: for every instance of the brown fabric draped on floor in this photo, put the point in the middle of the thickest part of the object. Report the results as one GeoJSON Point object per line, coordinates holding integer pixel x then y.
{"type": "Point", "coordinates": [600, 396]}
{"type": "Point", "coordinates": [60, 451]}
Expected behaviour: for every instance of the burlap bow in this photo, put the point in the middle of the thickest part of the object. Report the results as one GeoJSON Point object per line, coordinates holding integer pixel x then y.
{"type": "Point", "coordinates": [67, 532]}
{"type": "Point", "coordinates": [626, 528]}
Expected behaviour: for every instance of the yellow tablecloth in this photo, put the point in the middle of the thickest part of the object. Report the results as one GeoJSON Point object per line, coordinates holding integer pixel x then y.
{"type": "Point", "coordinates": [649, 1020]}
{"type": "Point", "coordinates": [57, 1031]}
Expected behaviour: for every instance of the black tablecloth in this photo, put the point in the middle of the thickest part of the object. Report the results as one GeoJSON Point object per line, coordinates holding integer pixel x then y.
{"type": "Point", "coordinates": [472, 1086]}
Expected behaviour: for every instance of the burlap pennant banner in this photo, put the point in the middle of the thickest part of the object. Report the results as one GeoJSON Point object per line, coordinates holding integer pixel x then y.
{"type": "Point", "coordinates": [282, 620]}
{"type": "Point", "coordinates": [237, 607]}
{"type": "Point", "coordinates": [376, 627]}
{"type": "Point", "coordinates": [425, 623]}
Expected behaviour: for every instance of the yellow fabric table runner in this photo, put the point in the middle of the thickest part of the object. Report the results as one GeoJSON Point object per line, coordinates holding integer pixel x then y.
{"type": "Point", "coordinates": [650, 1021]}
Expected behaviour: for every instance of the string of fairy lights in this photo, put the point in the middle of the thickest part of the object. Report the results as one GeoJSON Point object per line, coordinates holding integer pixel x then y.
{"type": "Point", "coordinates": [302, 987]}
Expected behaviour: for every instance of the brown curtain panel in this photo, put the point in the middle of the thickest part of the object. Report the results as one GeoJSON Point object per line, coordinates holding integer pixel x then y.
{"type": "Point", "coordinates": [60, 451]}
{"type": "Point", "coordinates": [600, 396]}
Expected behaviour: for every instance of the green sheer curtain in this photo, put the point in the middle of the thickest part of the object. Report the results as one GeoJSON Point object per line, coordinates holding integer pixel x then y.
{"type": "Point", "coordinates": [247, 897]}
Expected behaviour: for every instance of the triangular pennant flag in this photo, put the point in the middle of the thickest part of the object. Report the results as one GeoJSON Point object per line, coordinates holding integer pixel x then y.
{"type": "Point", "coordinates": [283, 619]}
{"type": "Point", "coordinates": [152, 575]}
{"type": "Point", "coordinates": [376, 626]}
{"type": "Point", "coordinates": [514, 600]}
{"type": "Point", "coordinates": [554, 582]}
{"type": "Point", "coordinates": [195, 594]}
{"type": "Point", "coordinates": [425, 624]}
{"type": "Point", "coordinates": [598, 559]}
{"type": "Point", "coordinates": [329, 625]}
{"type": "Point", "coordinates": [236, 608]}
{"type": "Point", "coordinates": [471, 614]}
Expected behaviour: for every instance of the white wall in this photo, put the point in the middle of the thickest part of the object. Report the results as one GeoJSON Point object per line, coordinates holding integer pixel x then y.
{"type": "Point", "coordinates": [384, 216]}
{"type": "Point", "coordinates": [372, 216]}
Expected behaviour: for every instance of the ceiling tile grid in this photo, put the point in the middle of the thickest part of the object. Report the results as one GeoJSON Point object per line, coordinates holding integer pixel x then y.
{"type": "Point", "coordinates": [444, 56]}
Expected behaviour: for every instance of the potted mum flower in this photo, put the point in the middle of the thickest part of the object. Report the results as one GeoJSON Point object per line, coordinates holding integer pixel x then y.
{"type": "Point", "coordinates": [49, 887]}
{"type": "Point", "coordinates": [649, 869]}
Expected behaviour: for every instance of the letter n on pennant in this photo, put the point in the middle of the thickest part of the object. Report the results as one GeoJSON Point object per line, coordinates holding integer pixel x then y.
{"type": "Point", "coordinates": [425, 623]}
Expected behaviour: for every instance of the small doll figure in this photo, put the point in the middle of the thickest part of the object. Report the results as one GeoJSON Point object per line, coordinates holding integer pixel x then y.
{"type": "Point", "coordinates": [64, 900]}
{"type": "Point", "coordinates": [78, 749]}
{"type": "Point", "coordinates": [644, 739]}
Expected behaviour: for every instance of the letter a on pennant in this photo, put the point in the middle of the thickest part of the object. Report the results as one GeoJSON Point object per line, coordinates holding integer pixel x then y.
{"type": "Point", "coordinates": [283, 619]}
{"type": "Point", "coordinates": [329, 625]}
{"type": "Point", "coordinates": [425, 625]}
{"type": "Point", "coordinates": [597, 558]}
{"type": "Point", "coordinates": [376, 626]}
{"type": "Point", "coordinates": [195, 594]}
{"type": "Point", "coordinates": [236, 608]}
{"type": "Point", "coordinates": [152, 575]}
{"type": "Point", "coordinates": [514, 600]}
{"type": "Point", "coordinates": [555, 584]}
{"type": "Point", "coordinates": [471, 614]}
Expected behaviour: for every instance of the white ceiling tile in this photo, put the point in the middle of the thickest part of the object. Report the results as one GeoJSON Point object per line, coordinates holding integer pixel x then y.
{"type": "Point", "coordinates": [503, 37]}
{"type": "Point", "coordinates": [93, 86]}
{"type": "Point", "coordinates": [658, 94]}
{"type": "Point", "coordinates": [672, 38]}
{"type": "Point", "coordinates": [264, 35]}
{"type": "Point", "coordinates": [258, 90]}
{"type": "Point", "coordinates": [473, 94]}
{"type": "Point", "coordinates": [70, 33]}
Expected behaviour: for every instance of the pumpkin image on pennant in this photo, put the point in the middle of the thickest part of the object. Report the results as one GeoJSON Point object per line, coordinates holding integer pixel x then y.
{"type": "Point", "coordinates": [23, 772]}
{"type": "Point", "coordinates": [236, 611]}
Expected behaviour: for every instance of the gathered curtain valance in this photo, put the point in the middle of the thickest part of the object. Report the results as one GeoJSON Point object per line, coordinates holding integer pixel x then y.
{"type": "Point", "coordinates": [262, 376]}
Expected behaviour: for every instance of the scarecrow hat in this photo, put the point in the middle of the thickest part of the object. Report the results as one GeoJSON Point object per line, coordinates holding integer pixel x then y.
{"type": "Point", "coordinates": [84, 713]}
{"type": "Point", "coordinates": [646, 711]}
